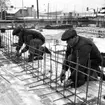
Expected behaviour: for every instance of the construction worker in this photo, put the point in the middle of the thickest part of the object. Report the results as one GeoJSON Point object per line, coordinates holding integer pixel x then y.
{"type": "Point", "coordinates": [36, 50]}
{"type": "Point", "coordinates": [26, 36]}
{"type": "Point", "coordinates": [80, 50]}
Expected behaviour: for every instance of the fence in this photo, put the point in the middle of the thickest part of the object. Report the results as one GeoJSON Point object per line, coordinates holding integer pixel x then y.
{"type": "Point", "coordinates": [47, 72]}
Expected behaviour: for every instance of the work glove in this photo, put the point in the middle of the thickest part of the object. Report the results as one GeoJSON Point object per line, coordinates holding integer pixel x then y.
{"type": "Point", "coordinates": [18, 54]}
{"type": "Point", "coordinates": [62, 76]}
{"type": "Point", "coordinates": [68, 83]}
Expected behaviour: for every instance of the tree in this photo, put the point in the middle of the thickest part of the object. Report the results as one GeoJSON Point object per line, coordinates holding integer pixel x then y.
{"type": "Point", "coordinates": [4, 4]}
{"type": "Point", "coordinates": [4, 13]}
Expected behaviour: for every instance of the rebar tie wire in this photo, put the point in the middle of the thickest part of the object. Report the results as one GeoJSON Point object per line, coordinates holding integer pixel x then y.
{"type": "Point", "coordinates": [54, 88]}
{"type": "Point", "coordinates": [53, 81]}
{"type": "Point", "coordinates": [100, 85]}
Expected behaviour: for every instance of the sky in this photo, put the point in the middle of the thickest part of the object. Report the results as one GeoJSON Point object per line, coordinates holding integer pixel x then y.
{"type": "Point", "coordinates": [60, 5]}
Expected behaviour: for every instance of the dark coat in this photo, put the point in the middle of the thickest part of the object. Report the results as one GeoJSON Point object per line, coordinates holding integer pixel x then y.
{"type": "Point", "coordinates": [41, 51]}
{"type": "Point", "coordinates": [84, 50]}
{"type": "Point", "coordinates": [25, 35]}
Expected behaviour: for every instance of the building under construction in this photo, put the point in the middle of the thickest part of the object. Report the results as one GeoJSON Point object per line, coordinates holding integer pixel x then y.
{"type": "Point", "coordinates": [42, 77]}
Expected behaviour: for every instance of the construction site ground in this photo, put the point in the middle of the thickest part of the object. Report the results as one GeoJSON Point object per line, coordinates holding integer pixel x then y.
{"type": "Point", "coordinates": [15, 87]}
{"type": "Point", "coordinates": [15, 91]}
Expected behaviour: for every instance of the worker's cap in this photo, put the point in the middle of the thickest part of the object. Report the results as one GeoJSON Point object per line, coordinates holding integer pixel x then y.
{"type": "Point", "coordinates": [17, 30]}
{"type": "Point", "coordinates": [70, 33]}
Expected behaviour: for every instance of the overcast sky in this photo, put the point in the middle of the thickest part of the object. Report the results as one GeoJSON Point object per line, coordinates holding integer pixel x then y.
{"type": "Point", "coordinates": [64, 5]}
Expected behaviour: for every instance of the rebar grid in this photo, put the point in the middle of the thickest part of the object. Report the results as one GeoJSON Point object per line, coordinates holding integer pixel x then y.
{"type": "Point", "coordinates": [47, 72]}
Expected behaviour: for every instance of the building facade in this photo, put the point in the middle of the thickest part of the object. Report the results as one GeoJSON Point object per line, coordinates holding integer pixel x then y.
{"type": "Point", "coordinates": [25, 12]}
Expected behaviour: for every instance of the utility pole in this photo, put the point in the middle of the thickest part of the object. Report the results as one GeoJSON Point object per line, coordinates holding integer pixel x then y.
{"type": "Point", "coordinates": [22, 9]}
{"type": "Point", "coordinates": [23, 13]}
{"type": "Point", "coordinates": [37, 9]}
{"type": "Point", "coordinates": [48, 11]}
{"type": "Point", "coordinates": [1, 11]}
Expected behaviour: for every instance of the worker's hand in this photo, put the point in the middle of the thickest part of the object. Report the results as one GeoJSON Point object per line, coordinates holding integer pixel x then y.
{"type": "Point", "coordinates": [18, 54]}
{"type": "Point", "coordinates": [68, 83]}
{"type": "Point", "coordinates": [62, 76]}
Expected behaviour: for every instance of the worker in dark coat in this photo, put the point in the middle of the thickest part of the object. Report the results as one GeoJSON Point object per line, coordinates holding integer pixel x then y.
{"type": "Point", "coordinates": [80, 50]}
{"type": "Point", "coordinates": [36, 50]}
{"type": "Point", "coordinates": [26, 36]}
{"type": "Point", "coordinates": [103, 58]}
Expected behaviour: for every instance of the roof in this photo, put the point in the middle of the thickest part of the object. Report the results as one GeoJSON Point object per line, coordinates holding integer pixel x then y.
{"type": "Point", "coordinates": [28, 18]}
{"type": "Point", "coordinates": [12, 11]}
{"type": "Point", "coordinates": [54, 13]}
